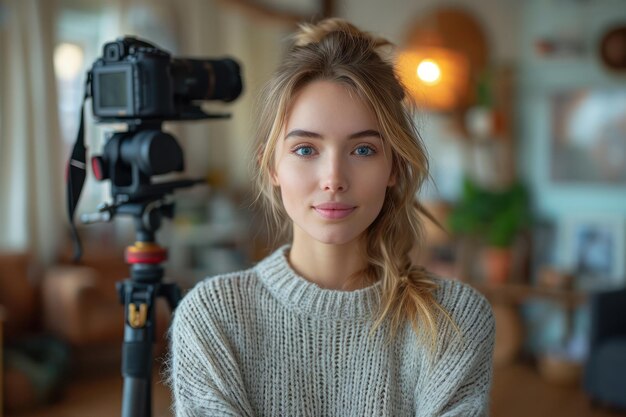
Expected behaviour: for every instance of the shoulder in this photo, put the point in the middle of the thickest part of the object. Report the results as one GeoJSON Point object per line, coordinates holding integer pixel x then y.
{"type": "Point", "coordinates": [457, 296]}
{"type": "Point", "coordinates": [467, 307]}
{"type": "Point", "coordinates": [216, 296]}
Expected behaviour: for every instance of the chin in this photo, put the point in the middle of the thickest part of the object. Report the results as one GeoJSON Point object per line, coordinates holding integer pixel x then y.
{"type": "Point", "coordinates": [343, 233]}
{"type": "Point", "coordinates": [335, 238]}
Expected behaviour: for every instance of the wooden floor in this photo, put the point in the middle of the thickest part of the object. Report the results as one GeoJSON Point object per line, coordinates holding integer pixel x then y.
{"type": "Point", "coordinates": [518, 391]}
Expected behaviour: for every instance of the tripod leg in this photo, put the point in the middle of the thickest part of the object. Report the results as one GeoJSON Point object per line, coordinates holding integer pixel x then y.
{"type": "Point", "coordinates": [137, 401]}
{"type": "Point", "coordinates": [139, 301]}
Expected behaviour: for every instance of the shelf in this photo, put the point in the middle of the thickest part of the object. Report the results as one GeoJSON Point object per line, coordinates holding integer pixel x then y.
{"type": "Point", "coordinates": [518, 293]}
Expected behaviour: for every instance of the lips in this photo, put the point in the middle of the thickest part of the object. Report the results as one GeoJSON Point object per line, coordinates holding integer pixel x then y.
{"type": "Point", "coordinates": [333, 210]}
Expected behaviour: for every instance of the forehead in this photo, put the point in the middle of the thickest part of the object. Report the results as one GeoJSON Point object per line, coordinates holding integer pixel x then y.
{"type": "Point", "coordinates": [330, 106]}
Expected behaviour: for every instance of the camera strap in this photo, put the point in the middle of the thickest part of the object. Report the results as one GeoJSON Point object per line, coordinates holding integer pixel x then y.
{"type": "Point", "coordinates": [76, 171]}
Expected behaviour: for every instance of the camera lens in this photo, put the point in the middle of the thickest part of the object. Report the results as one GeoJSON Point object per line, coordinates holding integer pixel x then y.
{"type": "Point", "coordinates": [228, 79]}
{"type": "Point", "coordinates": [206, 79]}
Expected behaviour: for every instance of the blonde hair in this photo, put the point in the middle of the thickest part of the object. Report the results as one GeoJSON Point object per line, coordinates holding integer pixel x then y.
{"type": "Point", "coordinates": [335, 50]}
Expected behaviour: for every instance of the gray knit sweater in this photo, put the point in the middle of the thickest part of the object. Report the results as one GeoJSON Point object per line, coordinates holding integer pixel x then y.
{"type": "Point", "coordinates": [267, 342]}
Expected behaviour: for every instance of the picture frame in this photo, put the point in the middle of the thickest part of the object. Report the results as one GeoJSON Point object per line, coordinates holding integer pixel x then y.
{"type": "Point", "coordinates": [588, 136]}
{"type": "Point", "coordinates": [593, 249]}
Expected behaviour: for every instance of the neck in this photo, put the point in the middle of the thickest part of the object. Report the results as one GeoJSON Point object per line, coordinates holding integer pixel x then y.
{"type": "Point", "coordinates": [336, 267]}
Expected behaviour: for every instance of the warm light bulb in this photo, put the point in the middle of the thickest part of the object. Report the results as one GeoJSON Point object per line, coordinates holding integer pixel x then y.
{"type": "Point", "coordinates": [68, 60]}
{"type": "Point", "coordinates": [428, 71]}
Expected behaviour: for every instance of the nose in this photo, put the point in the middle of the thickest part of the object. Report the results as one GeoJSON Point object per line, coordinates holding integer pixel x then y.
{"type": "Point", "coordinates": [334, 177]}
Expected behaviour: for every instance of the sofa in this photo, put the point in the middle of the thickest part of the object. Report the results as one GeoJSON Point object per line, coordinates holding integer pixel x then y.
{"type": "Point", "coordinates": [605, 369]}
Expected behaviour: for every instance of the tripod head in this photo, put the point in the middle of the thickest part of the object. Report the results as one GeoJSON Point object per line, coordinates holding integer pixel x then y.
{"type": "Point", "coordinates": [129, 160]}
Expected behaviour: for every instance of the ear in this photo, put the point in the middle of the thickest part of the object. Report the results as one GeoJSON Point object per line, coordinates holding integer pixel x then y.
{"type": "Point", "coordinates": [259, 158]}
{"type": "Point", "coordinates": [274, 178]}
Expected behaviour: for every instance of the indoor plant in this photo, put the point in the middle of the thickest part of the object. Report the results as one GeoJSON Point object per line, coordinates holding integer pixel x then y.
{"type": "Point", "coordinates": [495, 217]}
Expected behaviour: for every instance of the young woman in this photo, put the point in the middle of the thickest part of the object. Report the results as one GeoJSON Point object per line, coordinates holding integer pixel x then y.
{"type": "Point", "coordinates": [339, 322]}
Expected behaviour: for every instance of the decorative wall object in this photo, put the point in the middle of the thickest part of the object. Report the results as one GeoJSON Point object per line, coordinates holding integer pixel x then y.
{"type": "Point", "coordinates": [589, 136]}
{"type": "Point", "coordinates": [560, 48]}
{"type": "Point", "coordinates": [594, 249]}
{"type": "Point", "coordinates": [613, 48]}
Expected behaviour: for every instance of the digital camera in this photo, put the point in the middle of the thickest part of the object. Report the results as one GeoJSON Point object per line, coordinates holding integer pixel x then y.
{"type": "Point", "coordinates": [135, 79]}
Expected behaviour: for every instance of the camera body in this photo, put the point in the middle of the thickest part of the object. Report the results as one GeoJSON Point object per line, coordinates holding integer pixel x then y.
{"type": "Point", "coordinates": [135, 79]}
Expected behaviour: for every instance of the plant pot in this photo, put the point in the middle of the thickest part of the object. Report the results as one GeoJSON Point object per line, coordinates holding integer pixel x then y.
{"type": "Point", "coordinates": [496, 263]}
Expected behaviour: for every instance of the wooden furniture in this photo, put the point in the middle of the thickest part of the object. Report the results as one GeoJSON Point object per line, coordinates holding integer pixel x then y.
{"type": "Point", "coordinates": [19, 294]}
{"type": "Point", "coordinates": [80, 306]}
{"type": "Point", "coordinates": [518, 293]}
{"type": "Point", "coordinates": [505, 299]}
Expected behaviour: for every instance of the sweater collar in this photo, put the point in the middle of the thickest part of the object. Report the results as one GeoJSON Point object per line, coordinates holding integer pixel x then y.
{"type": "Point", "coordinates": [296, 293]}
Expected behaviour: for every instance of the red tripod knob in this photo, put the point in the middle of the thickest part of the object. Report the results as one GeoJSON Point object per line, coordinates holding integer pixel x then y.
{"type": "Point", "coordinates": [145, 253]}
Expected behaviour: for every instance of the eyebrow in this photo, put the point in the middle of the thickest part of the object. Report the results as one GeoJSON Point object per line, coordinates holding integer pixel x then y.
{"type": "Point", "coordinates": [358, 135]}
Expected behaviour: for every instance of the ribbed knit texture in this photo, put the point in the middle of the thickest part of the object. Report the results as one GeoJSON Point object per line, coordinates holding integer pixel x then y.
{"type": "Point", "coordinates": [267, 342]}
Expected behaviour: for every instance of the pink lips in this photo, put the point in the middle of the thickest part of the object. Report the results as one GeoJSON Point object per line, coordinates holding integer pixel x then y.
{"type": "Point", "coordinates": [334, 210]}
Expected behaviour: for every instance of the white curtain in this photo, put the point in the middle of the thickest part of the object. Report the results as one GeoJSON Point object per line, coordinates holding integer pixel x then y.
{"type": "Point", "coordinates": [31, 177]}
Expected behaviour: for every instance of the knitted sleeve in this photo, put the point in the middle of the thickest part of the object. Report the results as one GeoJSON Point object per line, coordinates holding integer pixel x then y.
{"type": "Point", "coordinates": [458, 383]}
{"type": "Point", "coordinates": [204, 375]}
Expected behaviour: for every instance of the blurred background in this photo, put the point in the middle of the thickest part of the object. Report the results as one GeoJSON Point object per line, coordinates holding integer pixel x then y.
{"type": "Point", "coordinates": [521, 105]}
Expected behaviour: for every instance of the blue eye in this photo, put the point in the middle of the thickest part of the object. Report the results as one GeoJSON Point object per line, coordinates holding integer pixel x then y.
{"type": "Point", "coordinates": [304, 151]}
{"type": "Point", "coordinates": [364, 151]}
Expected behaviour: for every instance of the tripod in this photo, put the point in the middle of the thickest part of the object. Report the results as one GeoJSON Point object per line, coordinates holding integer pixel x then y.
{"type": "Point", "coordinates": [138, 295]}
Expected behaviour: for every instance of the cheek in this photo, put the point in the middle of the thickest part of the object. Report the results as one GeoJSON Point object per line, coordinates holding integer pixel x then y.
{"type": "Point", "coordinates": [292, 195]}
{"type": "Point", "coordinates": [292, 182]}
{"type": "Point", "coordinates": [280, 174]}
{"type": "Point", "coordinates": [373, 187]}
{"type": "Point", "coordinates": [378, 196]}
{"type": "Point", "coordinates": [292, 173]}
{"type": "Point", "coordinates": [377, 177]}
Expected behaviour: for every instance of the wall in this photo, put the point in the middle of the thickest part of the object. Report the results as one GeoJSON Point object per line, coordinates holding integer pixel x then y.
{"type": "Point", "coordinates": [568, 205]}
{"type": "Point", "coordinates": [540, 78]}
{"type": "Point", "coordinates": [392, 18]}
